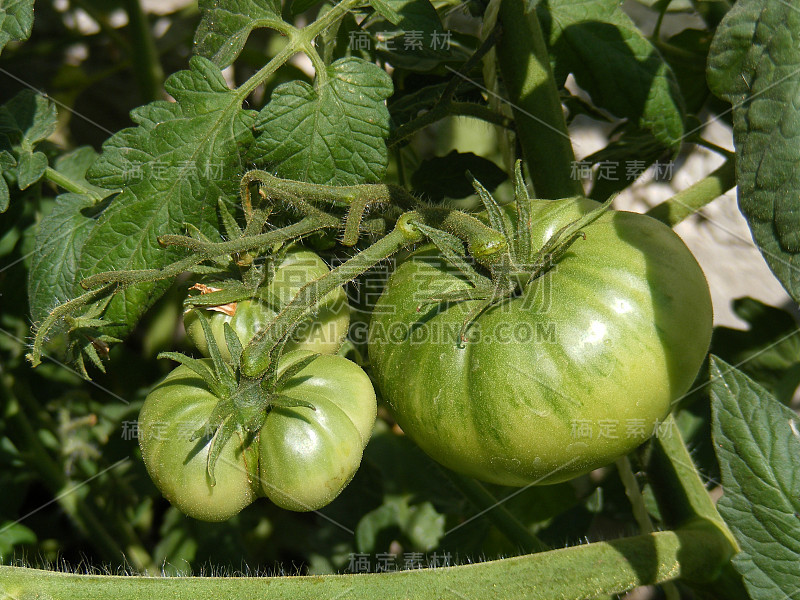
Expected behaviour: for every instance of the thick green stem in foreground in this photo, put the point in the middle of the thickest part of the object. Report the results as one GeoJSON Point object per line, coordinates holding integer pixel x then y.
{"type": "Point", "coordinates": [570, 573]}
{"type": "Point", "coordinates": [525, 66]}
{"type": "Point", "coordinates": [689, 201]}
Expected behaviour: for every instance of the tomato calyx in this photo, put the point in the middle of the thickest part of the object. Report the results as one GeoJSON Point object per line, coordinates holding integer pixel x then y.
{"type": "Point", "coordinates": [513, 262]}
{"type": "Point", "coordinates": [244, 402]}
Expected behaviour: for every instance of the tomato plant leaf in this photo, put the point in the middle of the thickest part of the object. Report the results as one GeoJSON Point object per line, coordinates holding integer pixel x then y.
{"type": "Point", "coordinates": [225, 26]}
{"type": "Point", "coordinates": [415, 38]}
{"type": "Point", "coordinates": [758, 448]}
{"type": "Point", "coordinates": [446, 176]}
{"type": "Point", "coordinates": [6, 162]}
{"type": "Point", "coordinates": [31, 168]}
{"type": "Point", "coordinates": [420, 523]}
{"type": "Point", "coordinates": [768, 351]}
{"type": "Point", "coordinates": [332, 134]}
{"type": "Point", "coordinates": [16, 20]}
{"type": "Point", "coordinates": [687, 54]}
{"type": "Point", "coordinates": [59, 238]}
{"type": "Point", "coordinates": [597, 42]}
{"type": "Point", "coordinates": [753, 64]}
{"type": "Point", "coordinates": [173, 167]}
{"type": "Point", "coordinates": [75, 163]}
{"type": "Point", "coordinates": [25, 120]}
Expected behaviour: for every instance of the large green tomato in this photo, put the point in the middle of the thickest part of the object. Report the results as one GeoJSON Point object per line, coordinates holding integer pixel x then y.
{"type": "Point", "coordinates": [574, 372]}
{"type": "Point", "coordinates": [323, 332]}
{"type": "Point", "coordinates": [301, 458]}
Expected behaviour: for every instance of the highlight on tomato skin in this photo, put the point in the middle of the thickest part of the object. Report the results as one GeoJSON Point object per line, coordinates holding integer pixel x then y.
{"type": "Point", "coordinates": [576, 370]}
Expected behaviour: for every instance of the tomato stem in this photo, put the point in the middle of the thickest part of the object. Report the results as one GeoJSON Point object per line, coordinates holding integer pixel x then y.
{"type": "Point", "coordinates": [687, 202]}
{"type": "Point", "coordinates": [506, 522]}
{"type": "Point", "coordinates": [533, 95]}
{"type": "Point", "coordinates": [258, 355]}
{"type": "Point", "coordinates": [574, 572]}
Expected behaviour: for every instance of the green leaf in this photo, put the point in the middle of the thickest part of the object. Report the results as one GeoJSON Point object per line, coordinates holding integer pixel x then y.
{"type": "Point", "coordinates": [27, 118]}
{"type": "Point", "coordinates": [599, 44]}
{"type": "Point", "coordinates": [16, 20]}
{"type": "Point", "coordinates": [758, 448]}
{"type": "Point", "coordinates": [768, 351]}
{"type": "Point", "coordinates": [687, 54]}
{"type": "Point", "coordinates": [6, 162]}
{"type": "Point", "coordinates": [414, 37]}
{"type": "Point", "coordinates": [13, 534]}
{"type": "Point", "coordinates": [59, 239]}
{"type": "Point", "coordinates": [753, 64]}
{"type": "Point", "coordinates": [225, 26]}
{"type": "Point", "coordinates": [173, 168]}
{"type": "Point", "coordinates": [422, 525]}
{"type": "Point", "coordinates": [332, 134]}
{"type": "Point", "coordinates": [75, 163]}
{"type": "Point", "coordinates": [31, 168]}
{"type": "Point", "coordinates": [446, 176]}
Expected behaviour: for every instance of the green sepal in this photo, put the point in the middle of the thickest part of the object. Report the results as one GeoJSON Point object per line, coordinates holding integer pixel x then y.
{"type": "Point", "coordinates": [293, 370]}
{"type": "Point", "coordinates": [524, 230]}
{"type": "Point", "coordinates": [453, 250]}
{"type": "Point", "coordinates": [225, 375]}
{"type": "Point", "coordinates": [90, 352]}
{"type": "Point", "coordinates": [199, 368]}
{"type": "Point", "coordinates": [234, 345]}
{"type": "Point", "coordinates": [562, 239]}
{"type": "Point", "coordinates": [497, 216]}
{"type": "Point", "coordinates": [232, 229]}
{"type": "Point", "coordinates": [221, 437]}
{"type": "Point", "coordinates": [283, 401]}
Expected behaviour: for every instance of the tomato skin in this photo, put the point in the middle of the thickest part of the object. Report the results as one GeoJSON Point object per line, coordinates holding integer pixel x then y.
{"type": "Point", "coordinates": [324, 334]}
{"type": "Point", "coordinates": [612, 335]}
{"type": "Point", "coordinates": [307, 456]}
{"type": "Point", "coordinates": [301, 458]}
{"type": "Point", "coordinates": [176, 407]}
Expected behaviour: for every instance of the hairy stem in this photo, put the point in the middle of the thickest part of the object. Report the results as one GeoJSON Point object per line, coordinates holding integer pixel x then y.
{"type": "Point", "coordinates": [257, 356]}
{"type": "Point", "coordinates": [533, 95]}
{"type": "Point", "coordinates": [58, 313]}
{"type": "Point", "coordinates": [689, 201]}
{"type": "Point", "coordinates": [288, 190]}
{"type": "Point", "coordinates": [578, 572]}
